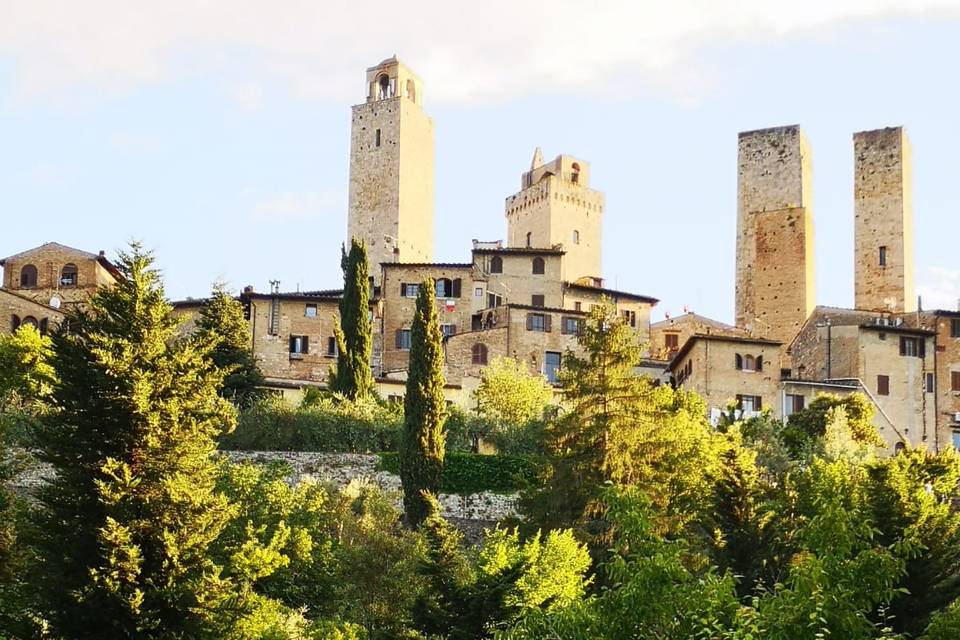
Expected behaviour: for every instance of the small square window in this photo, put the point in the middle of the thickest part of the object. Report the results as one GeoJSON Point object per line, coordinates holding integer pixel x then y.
{"type": "Point", "coordinates": [403, 339]}
{"type": "Point", "coordinates": [538, 322]}
{"type": "Point", "coordinates": [537, 300]}
{"type": "Point", "coordinates": [572, 326]}
{"type": "Point", "coordinates": [672, 341]}
{"type": "Point", "coordinates": [955, 381]}
{"type": "Point", "coordinates": [310, 311]}
{"type": "Point", "coordinates": [478, 292]}
{"type": "Point", "coordinates": [411, 290]}
{"type": "Point", "coordinates": [578, 306]}
{"type": "Point", "coordinates": [883, 385]}
{"type": "Point", "coordinates": [448, 330]}
{"type": "Point", "coordinates": [299, 345]}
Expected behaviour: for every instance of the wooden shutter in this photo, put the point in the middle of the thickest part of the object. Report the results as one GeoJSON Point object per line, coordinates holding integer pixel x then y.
{"type": "Point", "coordinates": [529, 322]}
{"type": "Point", "coordinates": [457, 287]}
{"type": "Point", "coordinates": [399, 339]}
{"type": "Point", "coordinates": [903, 346]}
{"type": "Point", "coordinates": [922, 347]}
{"type": "Point", "coordinates": [883, 385]}
{"type": "Point", "coordinates": [563, 326]}
{"type": "Point", "coordinates": [292, 344]}
{"type": "Point", "coordinates": [14, 322]}
{"type": "Point", "coordinates": [403, 289]}
{"type": "Point", "coordinates": [546, 322]}
{"type": "Point", "coordinates": [759, 363]}
{"type": "Point", "coordinates": [306, 344]}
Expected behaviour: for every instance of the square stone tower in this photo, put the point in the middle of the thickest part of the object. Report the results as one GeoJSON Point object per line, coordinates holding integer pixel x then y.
{"type": "Point", "coordinates": [556, 207]}
{"type": "Point", "coordinates": [391, 169]}
{"type": "Point", "coordinates": [883, 221]}
{"type": "Point", "coordinates": [775, 258]}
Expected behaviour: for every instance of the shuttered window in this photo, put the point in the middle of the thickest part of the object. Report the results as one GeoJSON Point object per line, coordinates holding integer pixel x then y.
{"type": "Point", "coordinates": [538, 322]}
{"type": "Point", "coordinates": [403, 339]}
{"type": "Point", "coordinates": [299, 344]}
{"type": "Point", "coordinates": [883, 385]}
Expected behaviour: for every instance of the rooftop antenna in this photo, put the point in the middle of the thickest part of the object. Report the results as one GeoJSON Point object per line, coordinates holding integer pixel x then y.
{"type": "Point", "coordinates": [274, 286]}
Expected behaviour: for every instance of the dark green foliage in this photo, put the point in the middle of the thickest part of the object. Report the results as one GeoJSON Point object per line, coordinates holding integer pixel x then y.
{"type": "Point", "coordinates": [804, 427]}
{"type": "Point", "coordinates": [424, 408]}
{"type": "Point", "coordinates": [221, 322]}
{"type": "Point", "coordinates": [329, 424]}
{"type": "Point", "coordinates": [467, 473]}
{"type": "Point", "coordinates": [353, 377]}
{"type": "Point", "coordinates": [129, 520]}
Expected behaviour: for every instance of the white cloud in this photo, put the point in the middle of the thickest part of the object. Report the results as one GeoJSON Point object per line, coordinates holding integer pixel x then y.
{"type": "Point", "coordinates": [296, 206]}
{"type": "Point", "coordinates": [480, 50]}
{"type": "Point", "coordinates": [939, 288]}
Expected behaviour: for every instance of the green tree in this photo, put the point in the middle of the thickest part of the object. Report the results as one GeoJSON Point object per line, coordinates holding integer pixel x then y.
{"type": "Point", "coordinates": [353, 377]}
{"type": "Point", "coordinates": [510, 394]}
{"type": "Point", "coordinates": [623, 430]}
{"type": "Point", "coordinates": [221, 322]}
{"type": "Point", "coordinates": [806, 426]}
{"type": "Point", "coordinates": [25, 371]}
{"type": "Point", "coordinates": [128, 522]}
{"type": "Point", "coordinates": [423, 441]}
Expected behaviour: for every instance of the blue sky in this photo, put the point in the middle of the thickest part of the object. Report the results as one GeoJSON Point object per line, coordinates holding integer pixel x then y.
{"type": "Point", "coordinates": [217, 133]}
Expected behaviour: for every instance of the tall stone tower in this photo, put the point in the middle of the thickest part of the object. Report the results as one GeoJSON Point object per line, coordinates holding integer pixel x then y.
{"type": "Point", "coordinates": [775, 258]}
{"type": "Point", "coordinates": [883, 215]}
{"type": "Point", "coordinates": [391, 169]}
{"type": "Point", "coordinates": [556, 207]}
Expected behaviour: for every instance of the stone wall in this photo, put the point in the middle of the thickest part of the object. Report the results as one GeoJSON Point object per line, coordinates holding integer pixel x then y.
{"type": "Point", "coordinates": [337, 469]}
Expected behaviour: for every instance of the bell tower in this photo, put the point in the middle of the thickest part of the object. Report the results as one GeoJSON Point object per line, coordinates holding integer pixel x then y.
{"type": "Point", "coordinates": [391, 169]}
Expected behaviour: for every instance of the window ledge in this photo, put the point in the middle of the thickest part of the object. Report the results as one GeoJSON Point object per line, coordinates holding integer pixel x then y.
{"type": "Point", "coordinates": [296, 356]}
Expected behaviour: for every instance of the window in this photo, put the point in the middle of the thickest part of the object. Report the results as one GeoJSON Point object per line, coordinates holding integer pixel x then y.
{"type": "Point", "coordinates": [955, 328]}
{"type": "Point", "coordinates": [536, 300]}
{"type": "Point", "coordinates": [299, 345]}
{"type": "Point", "coordinates": [758, 363]}
{"type": "Point", "coordinates": [30, 320]}
{"type": "Point", "coordinates": [538, 266]}
{"type": "Point", "coordinates": [738, 361]}
{"type": "Point", "coordinates": [883, 385]}
{"type": "Point", "coordinates": [28, 276]}
{"type": "Point", "coordinates": [332, 349]}
{"type": "Point", "coordinates": [749, 404]}
{"type": "Point", "coordinates": [672, 341]}
{"type": "Point", "coordinates": [576, 237]}
{"type": "Point", "coordinates": [494, 300]}
{"type": "Point", "coordinates": [538, 322]}
{"type": "Point", "coordinates": [68, 275]}
{"type": "Point", "coordinates": [444, 288]}
{"type": "Point", "coordinates": [394, 398]}
{"type": "Point", "coordinates": [795, 404]}
{"type": "Point", "coordinates": [478, 354]}
{"type": "Point", "coordinates": [748, 363]}
{"type": "Point", "coordinates": [376, 138]}
{"type": "Point", "coordinates": [310, 310]}
{"type": "Point", "coordinates": [956, 439]}
{"type": "Point", "coordinates": [571, 326]}
{"type": "Point", "coordinates": [448, 329]}
{"type": "Point", "coordinates": [403, 339]}
{"type": "Point", "coordinates": [575, 173]}
{"type": "Point", "coordinates": [630, 317]}
{"type": "Point", "coordinates": [577, 306]}
{"type": "Point", "coordinates": [955, 381]}
{"type": "Point", "coordinates": [384, 87]}
{"type": "Point", "coordinates": [496, 264]}
{"type": "Point", "coordinates": [529, 236]}
{"type": "Point", "coordinates": [929, 383]}
{"type": "Point", "coordinates": [551, 366]}
{"type": "Point", "coordinates": [408, 290]}
{"type": "Point", "coordinates": [912, 347]}
{"type": "Point", "coordinates": [478, 292]}
{"type": "Point", "coordinates": [883, 256]}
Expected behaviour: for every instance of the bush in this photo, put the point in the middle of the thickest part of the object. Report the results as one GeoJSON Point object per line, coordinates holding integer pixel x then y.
{"type": "Point", "coordinates": [327, 423]}
{"type": "Point", "coordinates": [466, 473]}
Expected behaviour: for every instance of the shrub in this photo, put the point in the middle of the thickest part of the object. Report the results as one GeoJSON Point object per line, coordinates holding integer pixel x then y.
{"type": "Point", "coordinates": [327, 423]}
{"type": "Point", "coordinates": [466, 473]}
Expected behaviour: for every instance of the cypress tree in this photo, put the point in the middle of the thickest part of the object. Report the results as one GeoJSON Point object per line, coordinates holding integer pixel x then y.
{"type": "Point", "coordinates": [129, 519]}
{"type": "Point", "coordinates": [424, 436]}
{"type": "Point", "coordinates": [353, 376]}
{"type": "Point", "coordinates": [221, 321]}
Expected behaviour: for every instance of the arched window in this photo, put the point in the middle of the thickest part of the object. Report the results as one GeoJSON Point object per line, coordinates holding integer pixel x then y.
{"type": "Point", "coordinates": [748, 363]}
{"type": "Point", "coordinates": [759, 363]}
{"type": "Point", "coordinates": [738, 362]}
{"type": "Point", "coordinates": [383, 87]}
{"type": "Point", "coordinates": [479, 353]}
{"type": "Point", "coordinates": [496, 264]}
{"type": "Point", "coordinates": [538, 265]}
{"type": "Point", "coordinates": [576, 237]}
{"type": "Point", "coordinates": [31, 321]}
{"type": "Point", "coordinates": [529, 239]}
{"type": "Point", "coordinates": [14, 323]}
{"type": "Point", "coordinates": [412, 90]}
{"type": "Point", "coordinates": [68, 275]}
{"type": "Point", "coordinates": [28, 276]}
{"type": "Point", "coordinates": [575, 175]}
{"type": "Point", "coordinates": [444, 288]}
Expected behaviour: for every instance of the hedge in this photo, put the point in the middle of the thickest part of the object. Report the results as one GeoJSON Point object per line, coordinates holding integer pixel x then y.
{"type": "Point", "coordinates": [466, 473]}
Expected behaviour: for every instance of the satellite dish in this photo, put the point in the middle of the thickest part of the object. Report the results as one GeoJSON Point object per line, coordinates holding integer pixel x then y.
{"type": "Point", "coordinates": [55, 302]}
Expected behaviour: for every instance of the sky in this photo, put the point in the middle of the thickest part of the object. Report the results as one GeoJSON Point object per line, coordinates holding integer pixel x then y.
{"type": "Point", "coordinates": [217, 133]}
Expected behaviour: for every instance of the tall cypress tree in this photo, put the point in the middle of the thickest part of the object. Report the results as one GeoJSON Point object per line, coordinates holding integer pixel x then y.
{"type": "Point", "coordinates": [221, 320]}
{"type": "Point", "coordinates": [424, 436]}
{"type": "Point", "coordinates": [129, 519]}
{"type": "Point", "coordinates": [353, 377]}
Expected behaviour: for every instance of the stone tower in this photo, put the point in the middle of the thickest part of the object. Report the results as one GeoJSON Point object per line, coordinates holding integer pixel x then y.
{"type": "Point", "coordinates": [775, 259]}
{"type": "Point", "coordinates": [883, 215]}
{"type": "Point", "coordinates": [556, 207]}
{"type": "Point", "coordinates": [391, 169]}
